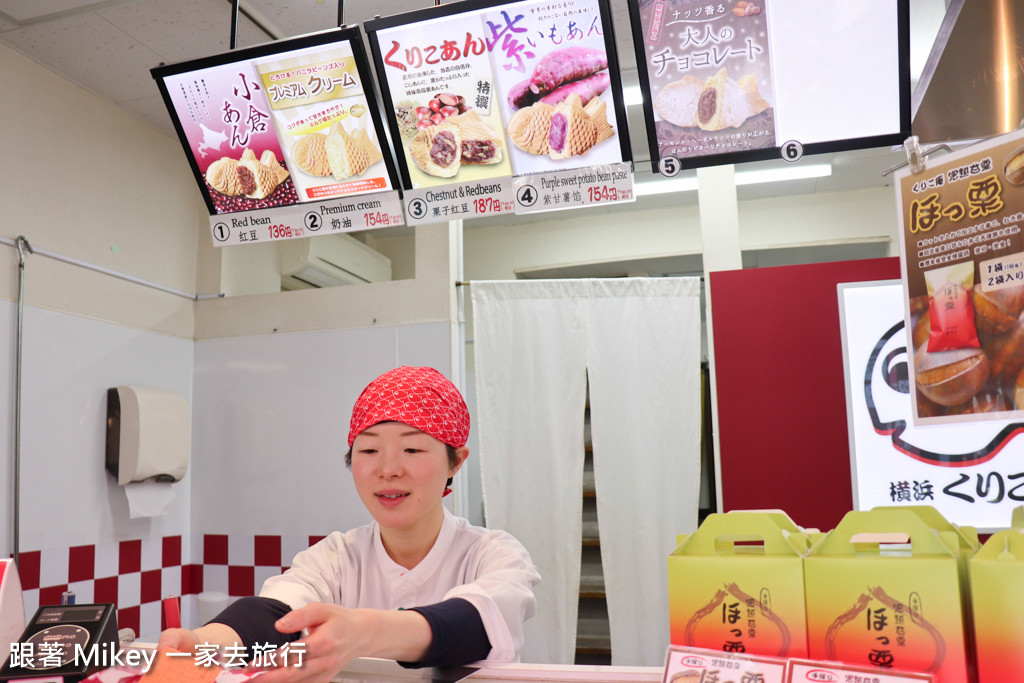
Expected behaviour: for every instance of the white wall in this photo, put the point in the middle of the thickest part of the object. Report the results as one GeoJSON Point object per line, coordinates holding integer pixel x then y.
{"type": "Point", "coordinates": [86, 180]}
{"type": "Point", "coordinates": [67, 497]}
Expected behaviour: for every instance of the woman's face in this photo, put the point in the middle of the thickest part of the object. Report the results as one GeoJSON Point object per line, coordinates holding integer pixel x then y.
{"type": "Point", "coordinates": [400, 474]}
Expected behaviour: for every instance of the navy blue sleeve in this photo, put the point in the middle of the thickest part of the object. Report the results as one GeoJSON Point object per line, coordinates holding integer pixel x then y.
{"type": "Point", "coordinates": [459, 634]}
{"type": "Point", "coordinates": [253, 618]}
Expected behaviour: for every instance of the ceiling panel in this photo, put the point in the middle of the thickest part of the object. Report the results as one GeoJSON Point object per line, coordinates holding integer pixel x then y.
{"type": "Point", "coordinates": [289, 18]}
{"type": "Point", "coordinates": [24, 11]}
{"type": "Point", "coordinates": [90, 51]}
{"type": "Point", "coordinates": [157, 24]}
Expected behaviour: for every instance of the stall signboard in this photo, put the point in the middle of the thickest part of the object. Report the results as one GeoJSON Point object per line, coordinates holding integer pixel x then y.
{"type": "Point", "coordinates": [971, 473]}
{"type": "Point", "coordinates": [478, 92]}
{"type": "Point", "coordinates": [962, 258]}
{"type": "Point", "coordinates": [289, 124]}
{"type": "Point", "coordinates": [744, 80]}
{"type": "Point", "coordinates": [700, 665]}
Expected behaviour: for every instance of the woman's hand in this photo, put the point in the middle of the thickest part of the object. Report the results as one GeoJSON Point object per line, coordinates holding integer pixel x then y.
{"type": "Point", "coordinates": [337, 635]}
{"type": "Point", "coordinates": [185, 640]}
{"type": "Point", "coordinates": [180, 639]}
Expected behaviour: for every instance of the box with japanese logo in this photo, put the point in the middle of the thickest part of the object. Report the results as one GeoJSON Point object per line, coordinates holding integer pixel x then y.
{"type": "Point", "coordinates": [808, 671]}
{"type": "Point", "coordinates": [884, 589]}
{"type": "Point", "coordinates": [736, 585]}
{"type": "Point", "coordinates": [997, 600]}
{"type": "Point", "coordinates": [698, 665]}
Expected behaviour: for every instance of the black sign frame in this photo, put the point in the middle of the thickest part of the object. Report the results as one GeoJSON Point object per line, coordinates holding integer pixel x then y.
{"type": "Point", "coordinates": [470, 6]}
{"type": "Point", "coordinates": [352, 34]}
{"type": "Point", "coordinates": [762, 154]}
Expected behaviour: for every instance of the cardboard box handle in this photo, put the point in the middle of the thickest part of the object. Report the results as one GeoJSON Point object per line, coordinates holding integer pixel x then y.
{"type": "Point", "coordinates": [1005, 546]}
{"type": "Point", "coordinates": [743, 533]}
{"type": "Point", "coordinates": [884, 544]}
{"type": "Point", "coordinates": [851, 536]}
{"type": "Point", "coordinates": [739, 545]}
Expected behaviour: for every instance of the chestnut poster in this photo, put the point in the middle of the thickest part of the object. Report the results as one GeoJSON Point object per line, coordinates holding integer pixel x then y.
{"type": "Point", "coordinates": [962, 260]}
{"type": "Point", "coordinates": [971, 473]}
{"type": "Point", "coordinates": [503, 89]}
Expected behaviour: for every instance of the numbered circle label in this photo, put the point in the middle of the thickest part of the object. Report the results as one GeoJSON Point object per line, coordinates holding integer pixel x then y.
{"type": "Point", "coordinates": [221, 232]}
{"type": "Point", "coordinates": [417, 208]}
{"type": "Point", "coordinates": [669, 166]}
{"type": "Point", "coordinates": [527, 195]}
{"type": "Point", "coordinates": [312, 221]}
{"type": "Point", "coordinates": [792, 151]}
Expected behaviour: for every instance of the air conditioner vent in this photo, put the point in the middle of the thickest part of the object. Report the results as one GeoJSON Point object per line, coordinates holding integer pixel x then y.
{"type": "Point", "coordinates": [330, 260]}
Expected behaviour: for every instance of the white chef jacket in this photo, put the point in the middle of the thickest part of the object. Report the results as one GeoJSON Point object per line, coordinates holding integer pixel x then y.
{"type": "Point", "coordinates": [489, 569]}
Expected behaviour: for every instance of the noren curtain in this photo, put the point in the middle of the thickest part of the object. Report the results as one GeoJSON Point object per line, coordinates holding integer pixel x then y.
{"type": "Point", "coordinates": [637, 340]}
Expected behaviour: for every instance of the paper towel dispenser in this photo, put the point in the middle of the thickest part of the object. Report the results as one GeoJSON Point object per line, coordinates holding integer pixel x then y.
{"type": "Point", "coordinates": [147, 434]}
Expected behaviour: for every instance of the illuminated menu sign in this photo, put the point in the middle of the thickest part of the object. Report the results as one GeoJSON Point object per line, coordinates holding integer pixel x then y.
{"type": "Point", "coordinates": [756, 79]}
{"type": "Point", "coordinates": [288, 123]}
{"type": "Point", "coordinates": [478, 91]}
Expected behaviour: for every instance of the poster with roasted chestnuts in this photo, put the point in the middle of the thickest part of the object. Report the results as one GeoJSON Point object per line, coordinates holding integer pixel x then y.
{"type": "Point", "coordinates": [963, 267]}
{"type": "Point", "coordinates": [970, 472]}
{"type": "Point", "coordinates": [499, 89]}
{"type": "Point", "coordinates": [275, 126]}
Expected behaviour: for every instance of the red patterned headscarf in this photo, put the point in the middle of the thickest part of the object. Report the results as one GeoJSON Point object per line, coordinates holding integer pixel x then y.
{"type": "Point", "coordinates": [419, 397]}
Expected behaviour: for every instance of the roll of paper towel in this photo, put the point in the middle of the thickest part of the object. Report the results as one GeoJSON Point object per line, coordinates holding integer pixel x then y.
{"type": "Point", "coordinates": [148, 498]}
{"type": "Point", "coordinates": [211, 603]}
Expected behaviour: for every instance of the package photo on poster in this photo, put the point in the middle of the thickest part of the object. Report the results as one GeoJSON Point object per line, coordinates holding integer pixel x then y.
{"type": "Point", "coordinates": [962, 259]}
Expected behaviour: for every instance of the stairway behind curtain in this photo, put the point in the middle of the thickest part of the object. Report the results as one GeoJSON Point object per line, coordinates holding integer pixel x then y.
{"type": "Point", "coordinates": [638, 339]}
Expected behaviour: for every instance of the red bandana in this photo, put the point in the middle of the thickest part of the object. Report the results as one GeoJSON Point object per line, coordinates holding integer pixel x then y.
{"type": "Point", "coordinates": [419, 397]}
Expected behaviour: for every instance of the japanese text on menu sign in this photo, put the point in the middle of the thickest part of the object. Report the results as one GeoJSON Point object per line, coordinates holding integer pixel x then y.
{"type": "Point", "coordinates": [963, 271]}
{"type": "Point", "coordinates": [286, 129]}
{"type": "Point", "coordinates": [478, 97]}
{"type": "Point", "coordinates": [710, 76]}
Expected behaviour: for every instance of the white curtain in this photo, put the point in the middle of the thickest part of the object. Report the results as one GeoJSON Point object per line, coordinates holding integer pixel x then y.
{"type": "Point", "coordinates": [536, 343]}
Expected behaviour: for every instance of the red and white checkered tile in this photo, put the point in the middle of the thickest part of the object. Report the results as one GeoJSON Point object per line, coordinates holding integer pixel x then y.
{"type": "Point", "coordinates": [136, 574]}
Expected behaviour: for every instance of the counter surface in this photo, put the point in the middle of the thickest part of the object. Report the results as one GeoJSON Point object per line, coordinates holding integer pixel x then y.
{"type": "Point", "coordinates": [379, 670]}
{"type": "Point", "coordinates": [369, 670]}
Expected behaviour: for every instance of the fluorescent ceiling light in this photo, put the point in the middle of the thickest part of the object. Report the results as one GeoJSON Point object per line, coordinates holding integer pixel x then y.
{"type": "Point", "coordinates": [771, 175]}
{"type": "Point", "coordinates": [750, 177]}
{"type": "Point", "coordinates": [664, 186]}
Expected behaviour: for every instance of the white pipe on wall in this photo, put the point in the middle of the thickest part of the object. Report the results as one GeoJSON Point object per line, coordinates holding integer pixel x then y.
{"type": "Point", "coordinates": [114, 273]}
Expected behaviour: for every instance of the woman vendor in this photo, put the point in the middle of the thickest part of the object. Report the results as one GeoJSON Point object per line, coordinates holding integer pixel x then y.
{"type": "Point", "coordinates": [417, 584]}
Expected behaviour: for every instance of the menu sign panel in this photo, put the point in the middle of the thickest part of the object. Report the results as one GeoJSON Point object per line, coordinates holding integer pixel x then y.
{"type": "Point", "coordinates": [962, 258]}
{"type": "Point", "coordinates": [755, 79]}
{"type": "Point", "coordinates": [485, 90]}
{"type": "Point", "coordinates": [279, 125]}
{"type": "Point", "coordinates": [709, 71]}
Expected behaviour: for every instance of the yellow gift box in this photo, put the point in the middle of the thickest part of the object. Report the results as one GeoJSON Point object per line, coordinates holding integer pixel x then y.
{"type": "Point", "coordinates": [736, 584]}
{"type": "Point", "coordinates": [997, 599]}
{"type": "Point", "coordinates": [887, 588]}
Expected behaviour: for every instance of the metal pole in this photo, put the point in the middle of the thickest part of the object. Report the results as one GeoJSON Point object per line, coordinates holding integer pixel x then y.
{"type": "Point", "coordinates": [113, 273]}
{"type": "Point", "coordinates": [22, 245]}
{"type": "Point", "coordinates": [341, 12]}
{"type": "Point", "coordinates": [234, 23]}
